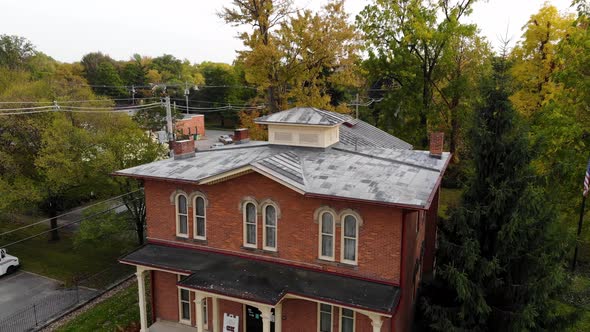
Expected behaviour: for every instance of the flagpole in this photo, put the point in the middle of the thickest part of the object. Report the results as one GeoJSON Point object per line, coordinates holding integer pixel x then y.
{"type": "Point", "coordinates": [579, 232]}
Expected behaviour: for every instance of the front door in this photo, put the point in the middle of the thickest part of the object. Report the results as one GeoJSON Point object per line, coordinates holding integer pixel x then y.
{"type": "Point", "coordinates": [254, 320]}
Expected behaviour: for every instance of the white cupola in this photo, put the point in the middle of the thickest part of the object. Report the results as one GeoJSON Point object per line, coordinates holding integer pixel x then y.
{"type": "Point", "coordinates": [304, 126]}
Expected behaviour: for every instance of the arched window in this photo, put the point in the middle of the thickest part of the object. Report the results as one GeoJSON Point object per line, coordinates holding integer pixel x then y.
{"type": "Point", "coordinates": [250, 225]}
{"type": "Point", "coordinates": [350, 231]}
{"type": "Point", "coordinates": [181, 216]}
{"type": "Point", "coordinates": [269, 233]}
{"type": "Point", "coordinates": [327, 228]}
{"type": "Point", "coordinates": [200, 218]}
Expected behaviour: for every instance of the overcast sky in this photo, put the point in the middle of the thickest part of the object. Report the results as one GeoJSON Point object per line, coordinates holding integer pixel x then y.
{"type": "Point", "coordinates": [68, 29]}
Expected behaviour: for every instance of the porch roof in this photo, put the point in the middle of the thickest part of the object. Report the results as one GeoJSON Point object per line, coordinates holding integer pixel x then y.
{"type": "Point", "coordinates": [262, 281]}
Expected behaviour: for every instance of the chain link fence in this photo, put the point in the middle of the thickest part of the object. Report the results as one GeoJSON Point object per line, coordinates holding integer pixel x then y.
{"type": "Point", "coordinates": [36, 316]}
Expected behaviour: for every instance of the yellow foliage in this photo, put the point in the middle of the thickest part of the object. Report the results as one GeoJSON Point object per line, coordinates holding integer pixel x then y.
{"type": "Point", "coordinates": [535, 59]}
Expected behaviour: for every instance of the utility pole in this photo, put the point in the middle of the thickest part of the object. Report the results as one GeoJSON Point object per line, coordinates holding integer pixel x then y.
{"type": "Point", "coordinates": [186, 93]}
{"type": "Point", "coordinates": [169, 119]}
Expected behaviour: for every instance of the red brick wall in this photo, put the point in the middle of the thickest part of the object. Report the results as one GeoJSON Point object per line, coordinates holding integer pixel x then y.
{"type": "Point", "coordinates": [379, 236]}
{"type": "Point", "coordinates": [165, 296]}
{"type": "Point", "coordinates": [299, 316]}
{"type": "Point", "coordinates": [430, 237]}
{"type": "Point", "coordinates": [197, 122]}
{"type": "Point", "coordinates": [411, 252]}
{"type": "Point", "coordinates": [232, 308]}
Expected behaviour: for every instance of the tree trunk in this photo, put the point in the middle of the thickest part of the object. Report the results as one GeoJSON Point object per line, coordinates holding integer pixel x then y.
{"type": "Point", "coordinates": [53, 222]}
{"type": "Point", "coordinates": [455, 130]}
{"type": "Point", "coordinates": [426, 95]}
{"type": "Point", "coordinates": [139, 228]}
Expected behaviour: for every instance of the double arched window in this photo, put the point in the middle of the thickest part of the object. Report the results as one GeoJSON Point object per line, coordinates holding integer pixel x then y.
{"type": "Point", "coordinates": [270, 215]}
{"type": "Point", "coordinates": [182, 203]}
{"type": "Point", "coordinates": [348, 221]}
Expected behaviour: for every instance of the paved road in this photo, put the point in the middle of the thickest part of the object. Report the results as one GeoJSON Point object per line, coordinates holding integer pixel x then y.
{"type": "Point", "coordinates": [23, 289]}
{"type": "Point", "coordinates": [212, 136]}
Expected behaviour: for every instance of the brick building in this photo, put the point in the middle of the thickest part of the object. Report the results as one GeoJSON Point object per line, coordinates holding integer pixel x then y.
{"type": "Point", "coordinates": [328, 226]}
{"type": "Point", "coordinates": [191, 126]}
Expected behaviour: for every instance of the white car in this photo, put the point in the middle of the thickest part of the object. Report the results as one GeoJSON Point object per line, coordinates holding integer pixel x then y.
{"type": "Point", "coordinates": [217, 145]}
{"type": "Point", "coordinates": [225, 139]}
{"type": "Point", "coordinates": [8, 263]}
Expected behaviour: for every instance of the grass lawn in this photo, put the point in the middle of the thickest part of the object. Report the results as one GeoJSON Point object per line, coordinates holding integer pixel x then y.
{"type": "Point", "coordinates": [118, 313]}
{"type": "Point", "coordinates": [60, 260]}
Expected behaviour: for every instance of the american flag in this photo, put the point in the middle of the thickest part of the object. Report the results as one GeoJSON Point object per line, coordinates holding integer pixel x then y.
{"type": "Point", "coordinates": [587, 180]}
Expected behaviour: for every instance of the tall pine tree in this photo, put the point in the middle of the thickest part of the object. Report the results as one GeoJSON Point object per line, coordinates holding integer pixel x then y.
{"type": "Point", "coordinates": [500, 258]}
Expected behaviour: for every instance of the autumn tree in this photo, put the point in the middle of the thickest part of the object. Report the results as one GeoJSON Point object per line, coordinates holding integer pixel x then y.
{"type": "Point", "coordinates": [536, 60]}
{"type": "Point", "coordinates": [320, 54]}
{"type": "Point", "coordinates": [262, 59]}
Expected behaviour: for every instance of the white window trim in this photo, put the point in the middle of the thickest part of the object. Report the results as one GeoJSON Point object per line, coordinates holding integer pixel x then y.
{"type": "Point", "coordinates": [320, 316]}
{"type": "Point", "coordinates": [353, 320]}
{"type": "Point", "coordinates": [176, 206]}
{"type": "Point", "coordinates": [276, 226]}
{"type": "Point", "coordinates": [190, 310]}
{"type": "Point", "coordinates": [245, 229]}
{"type": "Point", "coordinates": [320, 238]}
{"type": "Point", "coordinates": [204, 237]}
{"type": "Point", "coordinates": [356, 242]}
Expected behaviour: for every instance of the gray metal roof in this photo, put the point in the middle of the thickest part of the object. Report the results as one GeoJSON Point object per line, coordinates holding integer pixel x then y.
{"type": "Point", "coordinates": [359, 133]}
{"type": "Point", "coordinates": [393, 176]}
{"type": "Point", "coordinates": [304, 115]}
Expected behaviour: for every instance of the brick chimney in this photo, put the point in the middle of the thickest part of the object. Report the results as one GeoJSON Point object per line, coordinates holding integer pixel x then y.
{"type": "Point", "coordinates": [241, 135]}
{"type": "Point", "coordinates": [184, 149]}
{"type": "Point", "coordinates": [437, 142]}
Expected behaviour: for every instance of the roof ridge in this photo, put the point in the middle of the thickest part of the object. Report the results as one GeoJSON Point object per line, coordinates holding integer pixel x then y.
{"type": "Point", "coordinates": [389, 159]}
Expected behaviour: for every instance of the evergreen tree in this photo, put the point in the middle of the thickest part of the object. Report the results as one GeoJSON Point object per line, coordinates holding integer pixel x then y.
{"type": "Point", "coordinates": [500, 255]}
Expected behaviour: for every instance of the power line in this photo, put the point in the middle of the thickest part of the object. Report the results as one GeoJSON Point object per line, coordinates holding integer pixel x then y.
{"type": "Point", "coordinates": [91, 110]}
{"type": "Point", "coordinates": [66, 225]}
{"type": "Point", "coordinates": [69, 212]}
{"type": "Point", "coordinates": [26, 108]}
{"type": "Point", "coordinates": [114, 108]}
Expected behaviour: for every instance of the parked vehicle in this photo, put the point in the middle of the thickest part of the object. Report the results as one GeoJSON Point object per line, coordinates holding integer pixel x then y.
{"type": "Point", "coordinates": [217, 145]}
{"type": "Point", "coordinates": [225, 139]}
{"type": "Point", "coordinates": [8, 263]}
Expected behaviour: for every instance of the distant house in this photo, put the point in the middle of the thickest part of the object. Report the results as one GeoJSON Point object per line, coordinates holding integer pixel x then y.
{"type": "Point", "coordinates": [192, 126]}
{"type": "Point", "coordinates": [328, 226]}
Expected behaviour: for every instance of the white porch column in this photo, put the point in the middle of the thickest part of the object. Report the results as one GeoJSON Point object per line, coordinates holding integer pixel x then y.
{"type": "Point", "coordinates": [215, 308]}
{"type": "Point", "coordinates": [278, 317]}
{"type": "Point", "coordinates": [265, 313]}
{"type": "Point", "coordinates": [376, 322]}
{"type": "Point", "coordinates": [199, 297]}
{"type": "Point", "coordinates": [141, 290]}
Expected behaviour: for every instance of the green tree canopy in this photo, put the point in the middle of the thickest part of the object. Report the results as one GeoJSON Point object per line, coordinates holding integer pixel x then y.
{"type": "Point", "coordinates": [500, 256]}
